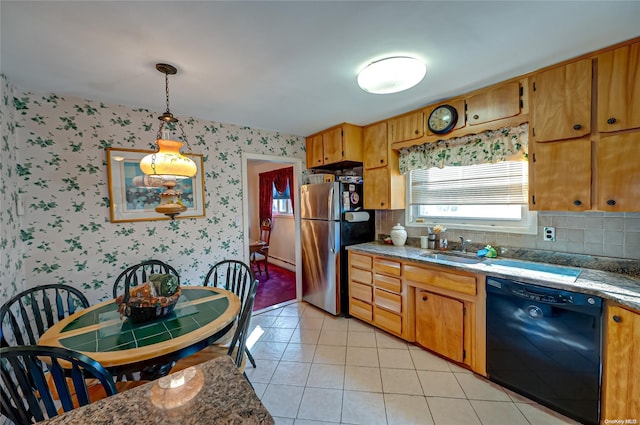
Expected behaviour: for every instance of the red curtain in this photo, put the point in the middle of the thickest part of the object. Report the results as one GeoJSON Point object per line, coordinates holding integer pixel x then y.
{"type": "Point", "coordinates": [280, 178]}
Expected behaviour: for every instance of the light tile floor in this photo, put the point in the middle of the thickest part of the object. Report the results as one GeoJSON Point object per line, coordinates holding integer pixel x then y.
{"type": "Point", "coordinates": [316, 369]}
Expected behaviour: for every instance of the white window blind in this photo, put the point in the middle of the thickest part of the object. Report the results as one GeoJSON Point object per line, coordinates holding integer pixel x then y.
{"type": "Point", "coordinates": [505, 182]}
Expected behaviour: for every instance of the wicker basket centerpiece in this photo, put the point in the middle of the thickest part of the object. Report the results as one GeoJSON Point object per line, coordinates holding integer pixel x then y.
{"type": "Point", "coordinates": [151, 300]}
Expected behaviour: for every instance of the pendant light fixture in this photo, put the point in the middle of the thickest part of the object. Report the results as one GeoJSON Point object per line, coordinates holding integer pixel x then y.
{"type": "Point", "coordinates": [167, 163]}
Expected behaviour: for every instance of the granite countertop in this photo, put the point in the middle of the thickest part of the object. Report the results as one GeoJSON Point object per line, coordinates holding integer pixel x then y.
{"type": "Point", "coordinates": [621, 285]}
{"type": "Point", "coordinates": [222, 396]}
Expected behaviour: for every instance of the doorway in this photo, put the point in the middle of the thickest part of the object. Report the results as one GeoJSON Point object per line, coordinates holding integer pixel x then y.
{"type": "Point", "coordinates": [284, 257]}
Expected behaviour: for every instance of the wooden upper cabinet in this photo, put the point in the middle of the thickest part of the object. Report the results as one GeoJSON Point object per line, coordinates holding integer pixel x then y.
{"type": "Point", "coordinates": [384, 186]}
{"type": "Point", "coordinates": [335, 146]}
{"type": "Point", "coordinates": [458, 104]}
{"type": "Point", "coordinates": [407, 127]}
{"type": "Point", "coordinates": [376, 188]}
{"type": "Point", "coordinates": [332, 145]}
{"type": "Point", "coordinates": [315, 156]}
{"type": "Point", "coordinates": [561, 102]}
{"type": "Point", "coordinates": [619, 89]}
{"type": "Point", "coordinates": [493, 104]}
{"type": "Point", "coordinates": [561, 175]}
{"type": "Point", "coordinates": [618, 172]}
{"type": "Point", "coordinates": [375, 145]}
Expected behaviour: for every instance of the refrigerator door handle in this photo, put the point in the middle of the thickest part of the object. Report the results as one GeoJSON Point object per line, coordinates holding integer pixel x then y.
{"type": "Point", "coordinates": [330, 204]}
{"type": "Point", "coordinates": [332, 238]}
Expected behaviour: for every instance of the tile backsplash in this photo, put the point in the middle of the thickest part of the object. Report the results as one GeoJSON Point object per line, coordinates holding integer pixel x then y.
{"type": "Point", "coordinates": [614, 235]}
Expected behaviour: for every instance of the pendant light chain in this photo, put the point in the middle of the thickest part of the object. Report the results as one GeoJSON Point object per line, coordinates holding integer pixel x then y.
{"type": "Point", "coordinates": [166, 90]}
{"type": "Point", "coordinates": [168, 116]}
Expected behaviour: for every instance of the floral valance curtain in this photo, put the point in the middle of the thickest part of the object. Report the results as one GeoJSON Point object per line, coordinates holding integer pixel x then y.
{"type": "Point", "coordinates": [279, 179]}
{"type": "Point", "coordinates": [509, 143]}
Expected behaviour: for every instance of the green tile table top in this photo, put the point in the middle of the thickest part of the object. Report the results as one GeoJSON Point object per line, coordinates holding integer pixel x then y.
{"type": "Point", "coordinates": [102, 334]}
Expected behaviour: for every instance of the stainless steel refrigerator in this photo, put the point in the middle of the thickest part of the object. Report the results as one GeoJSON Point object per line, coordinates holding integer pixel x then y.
{"type": "Point", "coordinates": [326, 233]}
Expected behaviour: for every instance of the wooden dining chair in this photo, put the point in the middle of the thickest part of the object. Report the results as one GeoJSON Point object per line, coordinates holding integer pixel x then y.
{"type": "Point", "coordinates": [138, 274]}
{"type": "Point", "coordinates": [29, 396]}
{"type": "Point", "coordinates": [261, 255]}
{"type": "Point", "coordinates": [234, 276]}
{"type": "Point", "coordinates": [236, 348]}
{"type": "Point", "coordinates": [27, 315]}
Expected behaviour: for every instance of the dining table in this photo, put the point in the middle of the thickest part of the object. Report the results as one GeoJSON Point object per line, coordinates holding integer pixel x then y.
{"type": "Point", "coordinates": [201, 316]}
{"type": "Point", "coordinates": [256, 246]}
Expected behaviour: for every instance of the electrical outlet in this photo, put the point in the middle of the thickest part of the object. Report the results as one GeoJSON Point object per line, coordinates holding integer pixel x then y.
{"type": "Point", "coordinates": [549, 234]}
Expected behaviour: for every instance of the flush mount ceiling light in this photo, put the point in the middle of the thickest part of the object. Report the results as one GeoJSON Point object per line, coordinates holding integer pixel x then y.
{"type": "Point", "coordinates": [391, 75]}
{"type": "Point", "coordinates": [167, 163]}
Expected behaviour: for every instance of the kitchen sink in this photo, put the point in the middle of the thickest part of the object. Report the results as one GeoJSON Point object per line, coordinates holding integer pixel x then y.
{"type": "Point", "coordinates": [452, 258]}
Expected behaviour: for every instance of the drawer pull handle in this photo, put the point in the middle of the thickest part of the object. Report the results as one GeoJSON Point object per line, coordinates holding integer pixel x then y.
{"type": "Point", "coordinates": [577, 202]}
{"type": "Point", "coordinates": [424, 298]}
{"type": "Point", "coordinates": [476, 116]}
{"type": "Point", "coordinates": [611, 121]}
{"type": "Point", "coordinates": [611, 202]}
{"type": "Point", "coordinates": [577, 127]}
{"type": "Point", "coordinates": [617, 319]}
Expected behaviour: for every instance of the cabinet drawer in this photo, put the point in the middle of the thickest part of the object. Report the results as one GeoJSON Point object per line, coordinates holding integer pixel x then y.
{"type": "Point", "coordinates": [362, 276]}
{"type": "Point", "coordinates": [387, 320]}
{"type": "Point", "coordinates": [454, 282]}
{"type": "Point", "coordinates": [362, 261]}
{"type": "Point", "coordinates": [380, 265]}
{"type": "Point", "coordinates": [361, 310]}
{"type": "Point", "coordinates": [388, 300]}
{"type": "Point", "coordinates": [393, 284]}
{"type": "Point", "coordinates": [361, 292]}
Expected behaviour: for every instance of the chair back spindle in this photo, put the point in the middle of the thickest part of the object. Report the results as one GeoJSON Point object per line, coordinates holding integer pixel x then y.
{"type": "Point", "coordinates": [27, 315]}
{"type": "Point", "coordinates": [27, 394]}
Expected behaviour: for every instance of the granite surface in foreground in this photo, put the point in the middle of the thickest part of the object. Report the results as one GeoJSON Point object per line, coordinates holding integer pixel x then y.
{"type": "Point", "coordinates": [618, 281]}
{"type": "Point", "coordinates": [226, 398]}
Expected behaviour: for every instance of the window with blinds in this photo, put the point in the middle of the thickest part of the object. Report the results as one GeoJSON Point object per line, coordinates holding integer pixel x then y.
{"type": "Point", "coordinates": [488, 197]}
{"type": "Point", "coordinates": [281, 202]}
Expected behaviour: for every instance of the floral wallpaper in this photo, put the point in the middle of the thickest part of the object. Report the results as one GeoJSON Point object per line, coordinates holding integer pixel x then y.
{"type": "Point", "coordinates": [11, 245]}
{"type": "Point", "coordinates": [62, 176]}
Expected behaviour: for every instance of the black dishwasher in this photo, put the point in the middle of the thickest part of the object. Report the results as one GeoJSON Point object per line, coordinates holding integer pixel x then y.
{"type": "Point", "coordinates": [545, 344]}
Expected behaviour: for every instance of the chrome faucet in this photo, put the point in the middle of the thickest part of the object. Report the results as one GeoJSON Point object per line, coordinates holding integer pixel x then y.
{"type": "Point", "coordinates": [463, 244]}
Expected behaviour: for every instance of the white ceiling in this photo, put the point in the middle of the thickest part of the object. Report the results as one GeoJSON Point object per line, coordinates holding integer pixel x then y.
{"type": "Point", "coordinates": [291, 66]}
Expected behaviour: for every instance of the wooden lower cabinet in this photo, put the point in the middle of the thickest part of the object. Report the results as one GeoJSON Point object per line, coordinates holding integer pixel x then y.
{"type": "Point", "coordinates": [440, 324]}
{"type": "Point", "coordinates": [621, 366]}
{"type": "Point", "coordinates": [448, 308]}
{"type": "Point", "coordinates": [376, 293]}
{"type": "Point", "coordinates": [440, 309]}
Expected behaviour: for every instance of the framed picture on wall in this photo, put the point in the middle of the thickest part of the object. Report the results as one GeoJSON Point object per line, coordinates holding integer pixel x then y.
{"type": "Point", "coordinates": [131, 200]}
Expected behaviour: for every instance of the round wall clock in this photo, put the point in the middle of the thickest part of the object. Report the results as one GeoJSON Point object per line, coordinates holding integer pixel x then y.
{"type": "Point", "coordinates": [442, 119]}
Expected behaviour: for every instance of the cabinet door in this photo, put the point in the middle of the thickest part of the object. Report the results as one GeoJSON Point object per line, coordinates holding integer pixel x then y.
{"type": "Point", "coordinates": [494, 104]}
{"type": "Point", "coordinates": [621, 386]}
{"type": "Point", "coordinates": [315, 156]}
{"type": "Point", "coordinates": [440, 324]}
{"type": "Point", "coordinates": [376, 188]}
{"type": "Point", "coordinates": [561, 100]}
{"type": "Point", "coordinates": [407, 127]}
{"type": "Point", "coordinates": [618, 172]}
{"type": "Point", "coordinates": [375, 146]}
{"type": "Point", "coordinates": [561, 176]}
{"type": "Point", "coordinates": [332, 145]}
{"type": "Point", "coordinates": [619, 89]}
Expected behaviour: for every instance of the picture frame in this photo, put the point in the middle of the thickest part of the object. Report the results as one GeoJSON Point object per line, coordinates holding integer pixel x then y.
{"type": "Point", "coordinates": [128, 202]}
